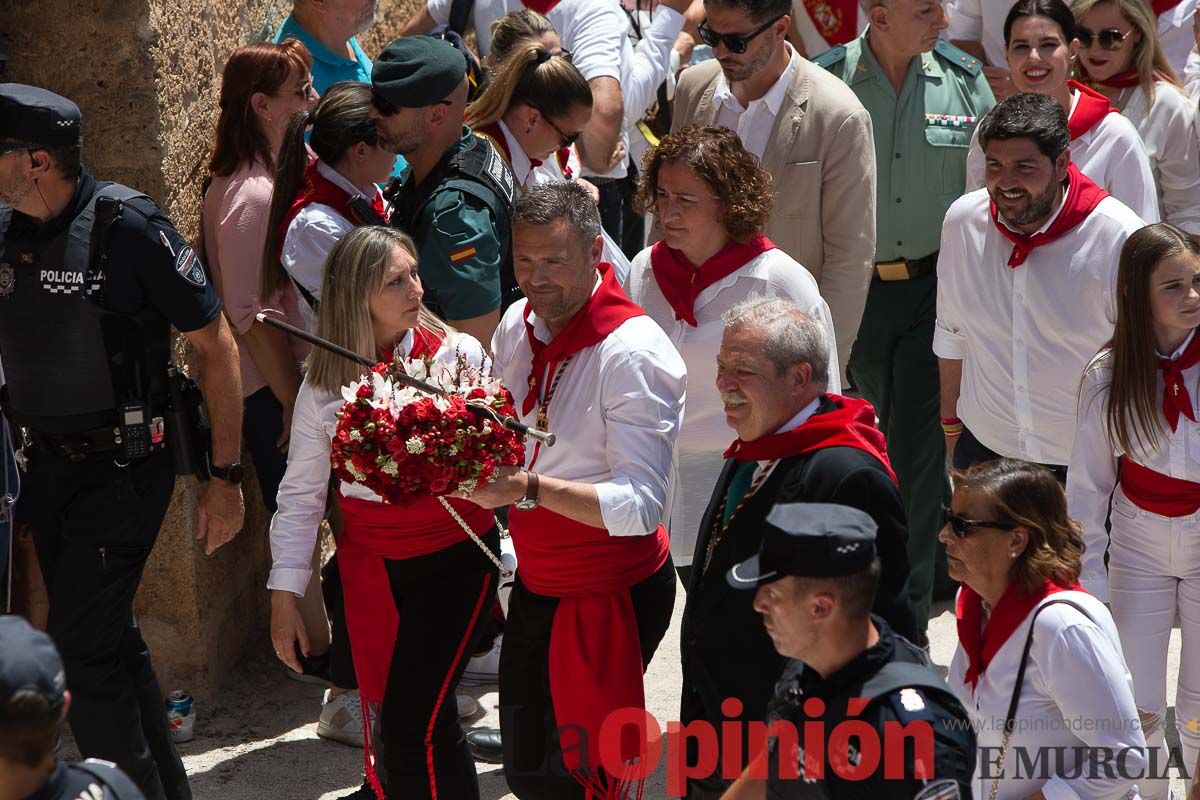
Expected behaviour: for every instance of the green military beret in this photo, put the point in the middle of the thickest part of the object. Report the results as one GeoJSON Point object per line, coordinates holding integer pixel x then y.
{"type": "Point", "coordinates": [416, 71]}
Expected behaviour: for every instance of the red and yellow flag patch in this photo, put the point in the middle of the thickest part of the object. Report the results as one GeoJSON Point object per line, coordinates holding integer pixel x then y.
{"type": "Point", "coordinates": [462, 254]}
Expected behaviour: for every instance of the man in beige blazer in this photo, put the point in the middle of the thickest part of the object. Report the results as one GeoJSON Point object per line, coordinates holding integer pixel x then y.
{"type": "Point", "coordinates": [810, 132]}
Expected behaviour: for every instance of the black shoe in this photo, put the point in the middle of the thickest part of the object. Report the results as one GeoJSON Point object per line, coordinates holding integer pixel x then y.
{"type": "Point", "coordinates": [485, 745]}
{"type": "Point", "coordinates": [364, 792]}
{"type": "Point", "coordinates": [316, 669]}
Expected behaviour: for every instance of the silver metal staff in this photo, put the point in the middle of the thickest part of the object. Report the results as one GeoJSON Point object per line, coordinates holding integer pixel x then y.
{"type": "Point", "coordinates": [512, 423]}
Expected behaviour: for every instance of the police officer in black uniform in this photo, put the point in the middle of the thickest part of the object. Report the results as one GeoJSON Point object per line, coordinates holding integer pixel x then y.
{"type": "Point", "coordinates": [815, 578]}
{"type": "Point", "coordinates": [92, 277]}
{"type": "Point", "coordinates": [456, 199]}
{"type": "Point", "coordinates": [33, 703]}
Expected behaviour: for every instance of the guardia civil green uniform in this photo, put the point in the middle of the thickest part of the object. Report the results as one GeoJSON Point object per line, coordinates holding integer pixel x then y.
{"type": "Point", "coordinates": [921, 140]}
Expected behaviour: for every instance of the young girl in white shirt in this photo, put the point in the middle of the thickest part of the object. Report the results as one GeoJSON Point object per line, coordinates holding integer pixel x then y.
{"type": "Point", "coordinates": [1121, 56]}
{"type": "Point", "coordinates": [1138, 444]}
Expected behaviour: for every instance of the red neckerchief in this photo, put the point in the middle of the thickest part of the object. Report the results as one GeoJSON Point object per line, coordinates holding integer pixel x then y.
{"type": "Point", "coordinates": [981, 642]}
{"type": "Point", "coordinates": [835, 20]}
{"type": "Point", "coordinates": [1163, 6]}
{"type": "Point", "coordinates": [1176, 399]}
{"type": "Point", "coordinates": [319, 189]}
{"type": "Point", "coordinates": [540, 6]}
{"type": "Point", "coordinates": [680, 281]}
{"type": "Point", "coordinates": [1090, 109]}
{"type": "Point", "coordinates": [1122, 80]}
{"type": "Point", "coordinates": [563, 156]}
{"type": "Point", "coordinates": [603, 313]}
{"type": "Point", "coordinates": [1082, 198]}
{"type": "Point", "coordinates": [850, 424]}
{"type": "Point", "coordinates": [425, 345]}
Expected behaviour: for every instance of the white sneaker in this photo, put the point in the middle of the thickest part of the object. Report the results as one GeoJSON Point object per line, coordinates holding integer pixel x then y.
{"type": "Point", "coordinates": [484, 669]}
{"type": "Point", "coordinates": [467, 706]}
{"type": "Point", "coordinates": [341, 719]}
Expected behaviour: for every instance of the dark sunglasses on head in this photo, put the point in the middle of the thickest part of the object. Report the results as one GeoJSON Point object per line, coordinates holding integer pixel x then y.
{"type": "Point", "coordinates": [734, 42]}
{"type": "Point", "coordinates": [1110, 39]}
{"type": "Point", "coordinates": [962, 527]}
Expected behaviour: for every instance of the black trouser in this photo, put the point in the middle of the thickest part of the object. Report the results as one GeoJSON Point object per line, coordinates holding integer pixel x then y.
{"type": "Point", "coordinates": [533, 762]}
{"type": "Point", "coordinates": [617, 213]}
{"type": "Point", "coordinates": [970, 451]}
{"type": "Point", "coordinates": [262, 425]}
{"type": "Point", "coordinates": [94, 524]}
{"type": "Point", "coordinates": [444, 600]}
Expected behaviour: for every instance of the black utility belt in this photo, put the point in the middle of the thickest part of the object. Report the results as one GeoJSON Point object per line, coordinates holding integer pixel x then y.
{"type": "Point", "coordinates": [121, 442]}
{"type": "Point", "coordinates": [906, 269]}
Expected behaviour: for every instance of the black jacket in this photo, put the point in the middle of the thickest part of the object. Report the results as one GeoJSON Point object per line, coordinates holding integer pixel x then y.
{"type": "Point", "coordinates": [725, 649]}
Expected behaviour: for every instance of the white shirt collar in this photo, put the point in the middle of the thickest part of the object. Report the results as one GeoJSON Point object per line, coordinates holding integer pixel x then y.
{"type": "Point", "coordinates": [801, 417]}
{"type": "Point", "coordinates": [1178, 351]}
{"type": "Point", "coordinates": [521, 164]}
{"type": "Point", "coordinates": [406, 344]}
{"type": "Point", "coordinates": [339, 179]}
{"type": "Point", "coordinates": [773, 99]}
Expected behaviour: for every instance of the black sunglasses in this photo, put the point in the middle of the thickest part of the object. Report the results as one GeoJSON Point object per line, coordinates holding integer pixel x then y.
{"type": "Point", "coordinates": [1110, 39]}
{"type": "Point", "coordinates": [567, 140]}
{"type": "Point", "coordinates": [962, 527]}
{"type": "Point", "coordinates": [734, 42]}
{"type": "Point", "coordinates": [5, 149]}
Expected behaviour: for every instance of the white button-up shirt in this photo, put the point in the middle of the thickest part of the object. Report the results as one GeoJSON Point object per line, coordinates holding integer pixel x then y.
{"type": "Point", "coordinates": [1024, 335]}
{"type": "Point", "coordinates": [1092, 475]}
{"type": "Point", "coordinates": [1111, 154]}
{"type": "Point", "coordinates": [705, 434]}
{"type": "Point", "coordinates": [1167, 129]}
{"type": "Point", "coordinates": [1077, 693]}
{"type": "Point", "coordinates": [312, 234]}
{"type": "Point", "coordinates": [305, 485]}
{"type": "Point", "coordinates": [753, 123]}
{"type": "Point", "coordinates": [616, 413]}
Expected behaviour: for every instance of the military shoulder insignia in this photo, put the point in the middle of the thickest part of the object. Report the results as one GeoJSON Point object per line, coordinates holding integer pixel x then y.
{"type": "Point", "coordinates": [830, 57]}
{"type": "Point", "coordinates": [946, 789]}
{"type": "Point", "coordinates": [8, 279]}
{"type": "Point", "coordinates": [911, 700]}
{"type": "Point", "coordinates": [958, 58]}
{"type": "Point", "coordinates": [189, 267]}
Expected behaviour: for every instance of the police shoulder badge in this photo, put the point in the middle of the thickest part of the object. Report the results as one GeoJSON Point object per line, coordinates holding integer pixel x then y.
{"type": "Point", "coordinates": [8, 279]}
{"type": "Point", "coordinates": [189, 267]}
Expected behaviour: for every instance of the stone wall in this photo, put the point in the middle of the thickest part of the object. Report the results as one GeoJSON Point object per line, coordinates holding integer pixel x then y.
{"type": "Point", "coordinates": [146, 74]}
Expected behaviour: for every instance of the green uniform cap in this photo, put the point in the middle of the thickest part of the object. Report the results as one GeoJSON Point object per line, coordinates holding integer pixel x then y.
{"type": "Point", "coordinates": [416, 71]}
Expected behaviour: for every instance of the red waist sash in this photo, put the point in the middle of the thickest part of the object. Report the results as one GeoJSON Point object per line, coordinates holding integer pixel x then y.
{"type": "Point", "coordinates": [1158, 493]}
{"type": "Point", "coordinates": [595, 660]}
{"type": "Point", "coordinates": [378, 531]}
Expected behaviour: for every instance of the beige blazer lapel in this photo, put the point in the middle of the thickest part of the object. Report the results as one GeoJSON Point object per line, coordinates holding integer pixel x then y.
{"type": "Point", "coordinates": [789, 118]}
{"type": "Point", "coordinates": [706, 110]}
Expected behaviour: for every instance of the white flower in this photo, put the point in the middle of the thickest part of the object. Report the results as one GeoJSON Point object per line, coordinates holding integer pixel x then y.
{"type": "Point", "coordinates": [390, 468]}
{"type": "Point", "coordinates": [487, 428]}
{"type": "Point", "coordinates": [355, 436]}
{"type": "Point", "coordinates": [441, 403]}
{"type": "Point", "coordinates": [453, 451]}
{"type": "Point", "coordinates": [355, 472]}
{"type": "Point", "coordinates": [414, 445]}
{"type": "Point", "coordinates": [469, 485]}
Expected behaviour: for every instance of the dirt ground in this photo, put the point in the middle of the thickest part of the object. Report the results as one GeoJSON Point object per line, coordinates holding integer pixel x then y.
{"type": "Point", "coordinates": [259, 741]}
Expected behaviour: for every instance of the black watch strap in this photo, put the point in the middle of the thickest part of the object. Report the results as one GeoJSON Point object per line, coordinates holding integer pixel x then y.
{"type": "Point", "coordinates": [231, 474]}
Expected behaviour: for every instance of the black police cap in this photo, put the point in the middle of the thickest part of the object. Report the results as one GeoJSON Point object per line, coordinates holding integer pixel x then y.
{"type": "Point", "coordinates": [811, 540]}
{"type": "Point", "coordinates": [29, 663]}
{"type": "Point", "coordinates": [36, 116]}
{"type": "Point", "coordinates": [416, 71]}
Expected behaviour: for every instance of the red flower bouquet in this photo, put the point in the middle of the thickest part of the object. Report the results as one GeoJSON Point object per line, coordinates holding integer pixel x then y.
{"type": "Point", "coordinates": [402, 443]}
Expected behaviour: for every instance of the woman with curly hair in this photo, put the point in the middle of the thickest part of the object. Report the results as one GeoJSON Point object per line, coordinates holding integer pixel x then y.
{"type": "Point", "coordinates": [1039, 663]}
{"type": "Point", "coordinates": [1135, 454]}
{"type": "Point", "coordinates": [711, 200]}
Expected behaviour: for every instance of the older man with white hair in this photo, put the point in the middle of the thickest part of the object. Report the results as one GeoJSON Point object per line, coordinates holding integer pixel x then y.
{"type": "Point", "coordinates": [796, 444]}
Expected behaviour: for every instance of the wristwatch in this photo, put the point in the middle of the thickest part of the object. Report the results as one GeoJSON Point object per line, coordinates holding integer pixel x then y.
{"type": "Point", "coordinates": [530, 500]}
{"type": "Point", "coordinates": [231, 474]}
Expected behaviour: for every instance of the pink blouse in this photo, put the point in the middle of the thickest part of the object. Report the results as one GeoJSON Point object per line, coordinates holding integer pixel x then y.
{"type": "Point", "coordinates": [236, 208]}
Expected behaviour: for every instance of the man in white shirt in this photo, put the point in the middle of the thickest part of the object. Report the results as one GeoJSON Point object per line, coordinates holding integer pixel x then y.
{"type": "Point", "coordinates": [809, 131]}
{"type": "Point", "coordinates": [1026, 278]}
{"type": "Point", "coordinates": [588, 364]}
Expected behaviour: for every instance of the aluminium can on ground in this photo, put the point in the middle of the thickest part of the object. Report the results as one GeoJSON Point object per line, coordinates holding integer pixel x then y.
{"type": "Point", "coordinates": [181, 716]}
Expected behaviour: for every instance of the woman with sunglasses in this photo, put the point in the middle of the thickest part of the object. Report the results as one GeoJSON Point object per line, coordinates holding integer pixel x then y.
{"type": "Point", "coordinates": [1039, 36]}
{"type": "Point", "coordinates": [318, 200]}
{"type": "Point", "coordinates": [710, 199]}
{"type": "Point", "coordinates": [1136, 444]}
{"type": "Point", "coordinates": [1035, 649]}
{"type": "Point", "coordinates": [416, 587]}
{"type": "Point", "coordinates": [1122, 57]}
